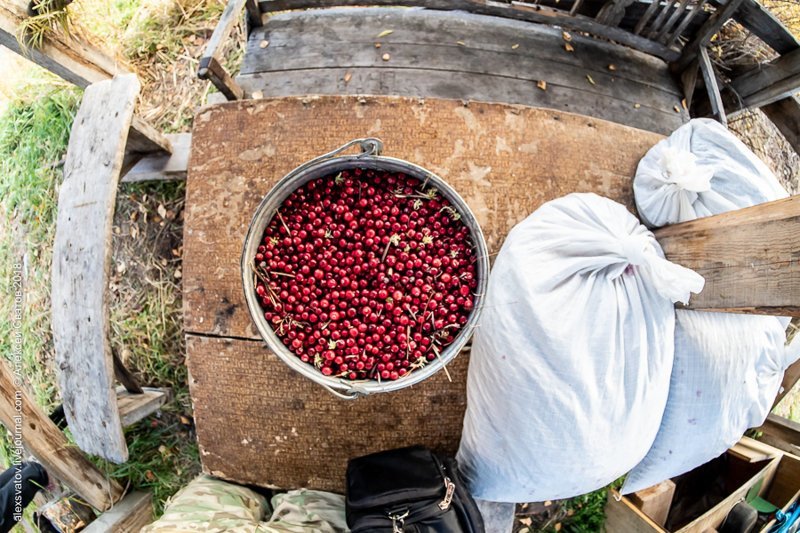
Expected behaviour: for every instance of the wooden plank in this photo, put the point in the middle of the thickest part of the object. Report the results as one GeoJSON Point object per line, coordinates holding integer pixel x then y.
{"type": "Point", "coordinates": [537, 14]}
{"type": "Point", "coordinates": [645, 18]}
{"type": "Point", "coordinates": [689, 82]}
{"type": "Point", "coordinates": [785, 114]}
{"type": "Point", "coordinates": [769, 82]}
{"type": "Point", "coordinates": [786, 483]}
{"type": "Point", "coordinates": [690, 17]}
{"type": "Point", "coordinates": [211, 69]}
{"type": "Point", "coordinates": [128, 516]}
{"type": "Point", "coordinates": [673, 18]}
{"type": "Point", "coordinates": [160, 166]}
{"type": "Point", "coordinates": [782, 428]}
{"type": "Point", "coordinates": [705, 33]}
{"type": "Point", "coordinates": [253, 13]}
{"type": "Point", "coordinates": [125, 376]}
{"type": "Point", "coordinates": [790, 378]}
{"type": "Point", "coordinates": [752, 451]}
{"type": "Point", "coordinates": [80, 266]}
{"type": "Point", "coordinates": [73, 59]}
{"type": "Point", "coordinates": [655, 501]}
{"type": "Point", "coordinates": [134, 407]}
{"type": "Point", "coordinates": [222, 31]}
{"type": "Point", "coordinates": [258, 422]}
{"type": "Point", "coordinates": [504, 160]}
{"type": "Point", "coordinates": [748, 258]}
{"type": "Point", "coordinates": [143, 138]}
{"type": "Point", "coordinates": [762, 23]}
{"type": "Point", "coordinates": [624, 517]}
{"type": "Point", "coordinates": [23, 419]}
{"type": "Point", "coordinates": [712, 89]}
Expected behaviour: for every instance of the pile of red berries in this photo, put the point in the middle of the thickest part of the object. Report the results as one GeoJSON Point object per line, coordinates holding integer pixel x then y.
{"type": "Point", "coordinates": [366, 274]}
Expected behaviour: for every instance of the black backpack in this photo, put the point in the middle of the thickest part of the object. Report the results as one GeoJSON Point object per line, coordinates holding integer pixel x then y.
{"type": "Point", "coordinates": [409, 490]}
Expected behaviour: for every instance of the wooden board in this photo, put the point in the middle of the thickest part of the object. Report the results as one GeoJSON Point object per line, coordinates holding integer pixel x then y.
{"type": "Point", "coordinates": [259, 422]}
{"type": "Point", "coordinates": [748, 258]}
{"type": "Point", "coordinates": [135, 407]}
{"type": "Point", "coordinates": [162, 166]}
{"type": "Point", "coordinates": [81, 257]}
{"type": "Point", "coordinates": [128, 516]}
{"type": "Point", "coordinates": [40, 436]}
{"type": "Point", "coordinates": [504, 160]}
{"type": "Point", "coordinates": [459, 56]}
{"type": "Point", "coordinates": [785, 114]}
{"type": "Point", "coordinates": [769, 82]}
{"type": "Point", "coordinates": [655, 501]}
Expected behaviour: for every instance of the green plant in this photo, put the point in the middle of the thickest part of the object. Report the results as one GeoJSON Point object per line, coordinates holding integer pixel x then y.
{"type": "Point", "coordinates": [50, 16]}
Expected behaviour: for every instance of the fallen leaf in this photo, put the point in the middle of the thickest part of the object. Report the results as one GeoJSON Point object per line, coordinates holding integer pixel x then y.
{"type": "Point", "coordinates": [542, 85]}
{"type": "Point", "coordinates": [163, 262]}
{"type": "Point", "coordinates": [612, 67]}
{"type": "Point", "coordinates": [263, 44]}
{"type": "Point", "coordinates": [185, 420]}
{"type": "Point", "coordinates": [116, 230]}
{"type": "Point", "coordinates": [258, 95]}
{"type": "Point", "coordinates": [149, 476]}
{"type": "Point", "coordinates": [386, 57]}
{"type": "Point", "coordinates": [121, 267]}
{"type": "Point", "coordinates": [461, 43]}
{"type": "Point", "coordinates": [570, 512]}
{"type": "Point", "coordinates": [526, 521]}
{"type": "Point", "coordinates": [176, 252]}
{"type": "Point", "coordinates": [347, 77]}
{"type": "Point", "coordinates": [178, 274]}
{"type": "Point", "coordinates": [568, 47]}
{"type": "Point", "coordinates": [566, 36]}
{"type": "Point", "coordinates": [637, 106]}
{"type": "Point", "coordinates": [142, 209]}
{"type": "Point", "coordinates": [524, 530]}
{"type": "Point", "coordinates": [683, 104]}
{"type": "Point", "coordinates": [384, 33]}
{"type": "Point", "coordinates": [557, 527]}
{"type": "Point", "coordinates": [548, 503]}
{"type": "Point", "coordinates": [677, 108]}
{"type": "Point", "coordinates": [377, 45]}
{"type": "Point", "coordinates": [134, 216]}
{"type": "Point", "coordinates": [162, 211]}
{"type": "Point", "coordinates": [163, 450]}
{"type": "Point", "coordinates": [134, 231]}
{"type": "Point", "coordinates": [588, 77]}
{"type": "Point", "coordinates": [514, 46]}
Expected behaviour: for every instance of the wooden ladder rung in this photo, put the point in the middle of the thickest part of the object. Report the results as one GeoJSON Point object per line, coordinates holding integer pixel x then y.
{"type": "Point", "coordinates": [162, 166]}
{"type": "Point", "coordinates": [134, 407]}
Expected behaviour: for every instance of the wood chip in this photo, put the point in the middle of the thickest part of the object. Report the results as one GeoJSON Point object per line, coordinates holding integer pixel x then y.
{"type": "Point", "coordinates": [557, 527]}
{"type": "Point", "coordinates": [566, 36]}
{"type": "Point", "coordinates": [461, 43]}
{"type": "Point", "coordinates": [568, 47]}
{"type": "Point", "coordinates": [263, 44]}
{"type": "Point", "coordinates": [386, 57]}
{"type": "Point", "coordinates": [514, 46]}
{"type": "Point", "coordinates": [612, 67]}
{"type": "Point", "coordinates": [588, 77]}
{"type": "Point", "coordinates": [178, 274]}
{"type": "Point", "coordinates": [542, 85]}
{"type": "Point", "coordinates": [677, 108]}
{"type": "Point", "coordinates": [637, 106]}
{"type": "Point", "coordinates": [162, 211]}
{"type": "Point", "coordinates": [347, 77]}
{"type": "Point", "coordinates": [526, 521]}
{"type": "Point", "coordinates": [377, 45]}
{"type": "Point", "coordinates": [384, 33]}
{"type": "Point", "coordinates": [683, 104]}
{"type": "Point", "coordinates": [548, 503]}
{"type": "Point", "coordinates": [258, 95]}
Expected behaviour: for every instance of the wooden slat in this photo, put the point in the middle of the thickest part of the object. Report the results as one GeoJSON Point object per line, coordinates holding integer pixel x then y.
{"type": "Point", "coordinates": [748, 257]}
{"type": "Point", "coordinates": [81, 256]}
{"type": "Point", "coordinates": [645, 18]}
{"type": "Point", "coordinates": [712, 89]}
{"type": "Point", "coordinates": [253, 13]}
{"type": "Point", "coordinates": [128, 516]}
{"type": "Point", "coordinates": [782, 428]}
{"type": "Point", "coordinates": [769, 82]}
{"type": "Point", "coordinates": [704, 34]}
{"type": "Point", "coordinates": [691, 15]}
{"type": "Point", "coordinates": [210, 67]}
{"type": "Point", "coordinates": [662, 16]}
{"type": "Point", "coordinates": [143, 138]}
{"type": "Point", "coordinates": [785, 114]}
{"type": "Point", "coordinates": [689, 82]}
{"type": "Point", "coordinates": [790, 378]}
{"type": "Point", "coordinates": [655, 501]}
{"type": "Point", "coordinates": [536, 14]}
{"type": "Point", "coordinates": [676, 14]}
{"type": "Point", "coordinates": [624, 517]}
{"type": "Point", "coordinates": [159, 167]}
{"type": "Point", "coordinates": [21, 416]}
{"type": "Point", "coordinates": [134, 407]}
{"type": "Point", "coordinates": [762, 23]}
{"type": "Point", "coordinates": [73, 59]}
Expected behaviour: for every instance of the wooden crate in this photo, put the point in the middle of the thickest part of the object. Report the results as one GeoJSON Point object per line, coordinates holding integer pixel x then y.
{"type": "Point", "coordinates": [779, 476]}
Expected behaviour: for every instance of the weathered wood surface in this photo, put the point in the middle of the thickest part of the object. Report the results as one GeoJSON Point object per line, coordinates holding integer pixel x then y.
{"type": "Point", "coordinates": [785, 114]}
{"type": "Point", "coordinates": [769, 82]}
{"type": "Point", "coordinates": [143, 138]}
{"type": "Point", "coordinates": [782, 428]}
{"type": "Point", "coordinates": [655, 501]}
{"type": "Point", "coordinates": [81, 256]}
{"type": "Point", "coordinates": [790, 378]}
{"type": "Point", "coordinates": [162, 166]}
{"type": "Point", "coordinates": [22, 417]}
{"type": "Point", "coordinates": [712, 89]}
{"type": "Point", "coordinates": [134, 407]}
{"type": "Point", "coordinates": [210, 67]}
{"type": "Point", "coordinates": [259, 422]}
{"type": "Point", "coordinates": [624, 517]}
{"type": "Point", "coordinates": [504, 160]}
{"type": "Point", "coordinates": [128, 516]}
{"type": "Point", "coordinates": [705, 33]}
{"type": "Point", "coordinates": [762, 23]}
{"type": "Point", "coordinates": [459, 56]}
{"type": "Point", "coordinates": [74, 60]}
{"type": "Point", "coordinates": [748, 257]}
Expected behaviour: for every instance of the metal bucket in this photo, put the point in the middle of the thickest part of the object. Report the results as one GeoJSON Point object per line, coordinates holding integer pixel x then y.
{"type": "Point", "coordinates": [325, 165]}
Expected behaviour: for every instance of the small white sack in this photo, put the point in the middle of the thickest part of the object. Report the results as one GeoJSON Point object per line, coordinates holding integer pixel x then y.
{"type": "Point", "coordinates": [728, 369]}
{"type": "Point", "coordinates": [571, 361]}
{"type": "Point", "coordinates": [701, 169]}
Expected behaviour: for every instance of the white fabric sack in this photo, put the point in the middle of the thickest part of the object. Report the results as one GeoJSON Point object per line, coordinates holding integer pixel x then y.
{"type": "Point", "coordinates": [571, 361]}
{"type": "Point", "coordinates": [702, 169]}
{"type": "Point", "coordinates": [728, 369]}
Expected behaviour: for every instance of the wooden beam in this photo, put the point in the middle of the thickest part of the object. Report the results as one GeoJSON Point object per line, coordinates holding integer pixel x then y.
{"type": "Point", "coordinates": [528, 13]}
{"type": "Point", "coordinates": [134, 407]}
{"type": "Point", "coordinates": [712, 89]}
{"type": "Point", "coordinates": [790, 378]}
{"type": "Point", "coordinates": [782, 429]}
{"type": "Point", "coordinates": [21, 416]}
{"type": "Point", "coordinates": [212, 70]}
{"type": "Point", "coordinates": [704, 35]}
{"type": "Point", "coordinates": [690, 15]}
{"type": "Point", "coordinates": [785, 114]}
{"type": "Point", "coordinates": [689, 82]}
{"type": "Point", "coordinates": [769, 82]}
{"type": "Point", "coordinates": [72, 59]}
{"type": "Point", "coordinates": [763, 24]}
{"type": "Point", "coordinates": [145, 139]}
{"type": "Point", "coordinates": [210, 67]}
{"type": "Point", "coordinates": [748, 257]}
{"type": "Point", "coordinates": [161, 166]}
{"type": "Point", "coordinates": [128, 516]}
{"type": "Point", "coordinates": [253, 13]}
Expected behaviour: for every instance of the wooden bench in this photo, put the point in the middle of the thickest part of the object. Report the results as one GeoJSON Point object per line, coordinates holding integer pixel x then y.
{"type": "Point", "coordinates": [106, 139]}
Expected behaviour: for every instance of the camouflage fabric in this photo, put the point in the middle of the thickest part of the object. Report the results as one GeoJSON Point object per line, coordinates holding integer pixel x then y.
{"type": "Point", "coordinates": [212, 505]}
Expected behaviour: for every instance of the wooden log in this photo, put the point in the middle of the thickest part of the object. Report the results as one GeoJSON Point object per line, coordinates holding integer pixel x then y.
{"type": "Point", "coordinates": [785, 114]}
{"type": "Point", "coordinates": [712, 89]}
{"type": "Point", "coordinates": [748, 257]}
{"type": "Point", "coordinates": [536, 14]}
{"type": "Point", "coordinates": [769, 82]}
{"type": "Point", "coordinates": [128, 516]}
{"type": "Point", "coordinates": [81, 258]}
{"type": "Point", "coordinates": [705, 33]}
{"type": "Point", "coordinates": [72, 59]}
{"type": "Point", "coordinates": [161, 166]}
{"type": "Point", "coordinates": [21, 416]}
{"type": "Point", "coordinates": [134, 407]}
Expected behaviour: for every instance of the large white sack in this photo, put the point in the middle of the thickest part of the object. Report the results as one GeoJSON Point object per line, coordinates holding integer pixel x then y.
{"type": "Point", "coordinates": [701, 169]}
{"type": "Point", "coordinates": [570, 365]}
{"type": "Point", "coordinates": [727, 371]}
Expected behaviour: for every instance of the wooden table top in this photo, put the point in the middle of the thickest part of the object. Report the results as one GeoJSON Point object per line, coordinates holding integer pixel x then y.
{"type": "Point", "coordinates": [257, 421]}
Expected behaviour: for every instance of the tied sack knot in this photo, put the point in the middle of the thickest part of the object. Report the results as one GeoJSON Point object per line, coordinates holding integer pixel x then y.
{"type": "Point", "coordinates": [680, 168]}
{"type": "Point", "coordinates": [671, 281]}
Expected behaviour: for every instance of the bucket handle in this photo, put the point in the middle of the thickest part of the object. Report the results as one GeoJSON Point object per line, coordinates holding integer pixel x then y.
{"type": "Point", "coordinates": [369, 146]}
{"type": "Point", "coordinates": [351, 394]}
